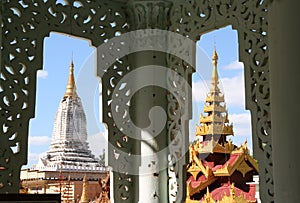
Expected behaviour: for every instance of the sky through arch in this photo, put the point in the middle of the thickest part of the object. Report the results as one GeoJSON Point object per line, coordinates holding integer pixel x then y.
{"type": "Point", "coordinates": [60, 49]}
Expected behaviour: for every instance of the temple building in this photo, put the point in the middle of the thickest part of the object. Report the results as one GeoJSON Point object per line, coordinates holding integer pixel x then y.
{"type": "Point", "coordinates": [218, 170]}
{"type": "Point", "coordinates": [68, 167]}
{"type": "Point", "coordinates": [69, 145]}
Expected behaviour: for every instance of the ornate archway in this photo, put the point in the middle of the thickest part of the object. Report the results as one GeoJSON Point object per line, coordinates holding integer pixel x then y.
{"type": "Point", "coordinates": [26, 23]}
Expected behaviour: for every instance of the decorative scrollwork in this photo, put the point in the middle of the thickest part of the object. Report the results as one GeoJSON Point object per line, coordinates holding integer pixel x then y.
{"type": "Point", "coordinates": [120, 145]}
{"type": "Point", "coordinates": [178, 143]}
{"type": "Point", "coordinates": [24, 26]}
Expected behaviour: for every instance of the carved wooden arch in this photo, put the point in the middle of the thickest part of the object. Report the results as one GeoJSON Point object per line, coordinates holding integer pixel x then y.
{"type": "Point", "coordinates": [250, 19]}
{"type": "Point", "coordinates": [26, 23]}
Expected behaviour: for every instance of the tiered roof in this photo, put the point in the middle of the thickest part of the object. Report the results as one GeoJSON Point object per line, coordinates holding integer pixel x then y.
{"type": "Point", "coordinates": [216, 163]}
{"type": "Point", "coordinates": [215, 121]}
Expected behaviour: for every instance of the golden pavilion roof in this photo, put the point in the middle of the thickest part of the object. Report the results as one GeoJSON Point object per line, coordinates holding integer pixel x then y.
{"type": "Point", "coordinates": [214, 159]}
{"type": "Point", "coordinates": [214, 108]}
{"type": "Point", "coordinates": [215, 129]}
{"type": "Point", "coordinates": [204, 172]}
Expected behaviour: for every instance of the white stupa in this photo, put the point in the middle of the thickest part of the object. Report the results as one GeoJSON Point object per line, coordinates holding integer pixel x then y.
{"type": "Point", "coordinates": [69, 147]}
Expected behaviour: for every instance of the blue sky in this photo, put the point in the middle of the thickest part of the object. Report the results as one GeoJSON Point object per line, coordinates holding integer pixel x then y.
{"type": "Point", "coordinates": [60, 49]}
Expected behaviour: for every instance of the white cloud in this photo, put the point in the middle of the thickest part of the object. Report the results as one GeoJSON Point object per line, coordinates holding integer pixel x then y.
{"type": "Point", "coordinates": [241, 127]}
{"type": "Point", "coordinates": [39, 140]}
{"type": "Point", "coordinates": [199, 90]}
{"type": "Point", "coordinates": [234, 90]}
{"type": "Point", "coordinates": [241, 119]}
{"type": "Point", "coordinates": [42, 74]}
{"type": "Point", "coordinates": [97, 143]}
{"type": "Point", "coordinates": [33, 157]}
{"type": "Point", "coordinates": [234, 65]}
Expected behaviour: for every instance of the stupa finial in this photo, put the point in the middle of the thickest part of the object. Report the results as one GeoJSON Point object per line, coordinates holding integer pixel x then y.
{"type": "Point", "coordinates": [71, 86]}
{"type": "Point", "coordinates": [215, 75]}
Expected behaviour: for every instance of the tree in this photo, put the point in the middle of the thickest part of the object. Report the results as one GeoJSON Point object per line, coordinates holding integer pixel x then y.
{"type": "Point", "coordinates": [101, 159]}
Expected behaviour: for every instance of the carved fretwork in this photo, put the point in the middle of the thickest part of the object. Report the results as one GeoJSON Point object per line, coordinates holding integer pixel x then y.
{"type": "Point", "coordinates": [26, 23]}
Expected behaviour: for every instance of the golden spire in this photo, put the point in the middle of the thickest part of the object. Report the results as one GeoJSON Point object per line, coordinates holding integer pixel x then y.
{"type": "Point", "coordinates": [71, 86]}
{"type": "Point", "coordinates": [84, 196]}
{"type": "Point", "coordinates": [215, 122]}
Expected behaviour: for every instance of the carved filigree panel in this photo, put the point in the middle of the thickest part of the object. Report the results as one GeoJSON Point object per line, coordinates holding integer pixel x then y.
{"type": "Point", "coordinates": [24, 26]}
{"type": "Point", "coordinates": [178, 131]}
{"type": "Point", "coordinates": [120, 145]}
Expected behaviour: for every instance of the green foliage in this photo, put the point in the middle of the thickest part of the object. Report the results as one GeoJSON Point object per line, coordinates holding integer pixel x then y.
{"type": "Point", "coordinates": [101, 158]}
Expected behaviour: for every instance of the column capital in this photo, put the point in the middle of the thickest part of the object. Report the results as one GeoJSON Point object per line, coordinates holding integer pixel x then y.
{"type": "Point", "coordinates": [147, 14]}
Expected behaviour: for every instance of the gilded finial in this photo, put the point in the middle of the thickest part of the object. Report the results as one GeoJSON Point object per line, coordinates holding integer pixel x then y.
{"type": "Point", "coordinates": [72, 64]}
{"type": "Point", "coordinates": [215, 55]}
{"type": "Point", "coordinates": [71, 86]}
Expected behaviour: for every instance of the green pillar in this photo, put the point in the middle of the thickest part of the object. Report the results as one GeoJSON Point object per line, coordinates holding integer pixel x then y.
{"type": "Point", "coordinates": [284, 43]}
{"type": "Point", "coordinates": [151, 184]}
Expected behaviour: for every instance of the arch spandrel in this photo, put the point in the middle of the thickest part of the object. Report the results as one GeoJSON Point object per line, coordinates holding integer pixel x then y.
{"type": "Point", "coordinates": [26, 23]}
